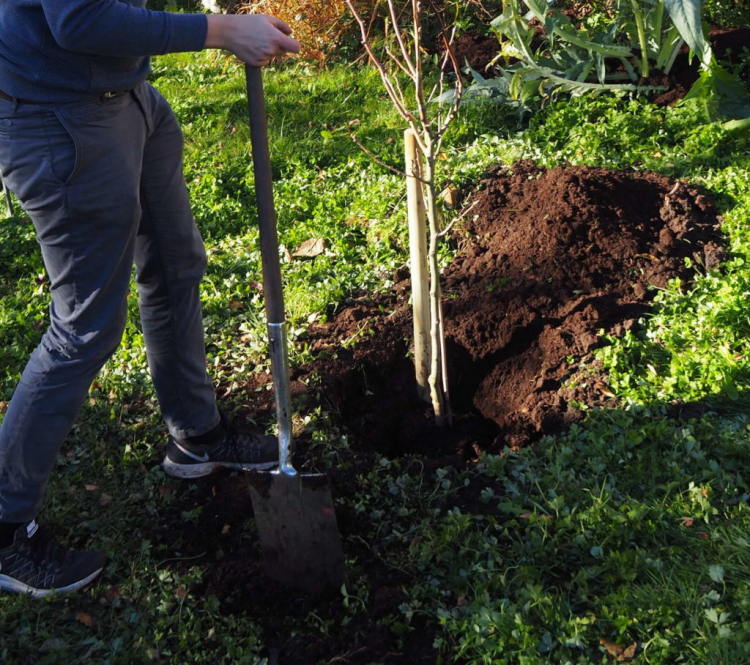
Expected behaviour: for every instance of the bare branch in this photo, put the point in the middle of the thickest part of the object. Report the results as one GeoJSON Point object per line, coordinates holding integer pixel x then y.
{"type": "Point", "coordinates": [377, 160]}
{"type": "Point", "coordinates": [448, 55]}
{"type": "Point", "coordinates": [400, 39]}
{"type": "Point", "coordinates": [418, 77]}
{"type": "Point", "coordinates": [396, 61]}
{"type": "Point", "coordinates": [397, 86]}
{"type": "Point", "coordinates": [398, 101]}
{"type": "Point", "coordinates": [457, 219]}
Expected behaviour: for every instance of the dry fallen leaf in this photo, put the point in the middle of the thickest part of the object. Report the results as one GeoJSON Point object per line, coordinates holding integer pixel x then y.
{"type": "Point", "coordinates": [628, 654]}
{"type": "Point", "coordinates": [613, 650]}
{"type": "Point", "coordinates": [85, 619]}
{"type": "Point", "coordinates": [226, 528]}
{"type": "Point", "coordinates": [235, 304]}
{"type": "Point", "coordinates": [620, 654]}
{"type": "Point", "coordinates": [688, 521]}
{"type": "Point", "coordinates": [449, 196]}
{"type": "Point", "coordinates": [113, 593]}
{"type": "Point", "coordinates": [526, 516]}
{"type": "Point", "coordinates": [310, 249]}
{"type": "Point", "coordinates": [105, 499]}
{"type": "Point", "coordinates": [91, 488]}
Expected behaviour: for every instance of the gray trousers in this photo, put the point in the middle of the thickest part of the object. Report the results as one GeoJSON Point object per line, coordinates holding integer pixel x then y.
{"type": "Point", "coordinates": [103, 184]}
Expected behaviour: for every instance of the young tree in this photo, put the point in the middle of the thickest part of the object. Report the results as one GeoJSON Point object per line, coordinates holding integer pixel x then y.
{"type": "Point", "coordinates": [428, 116]}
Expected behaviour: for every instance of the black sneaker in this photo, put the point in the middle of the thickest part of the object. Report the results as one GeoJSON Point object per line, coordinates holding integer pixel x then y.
{"type": "Point", "coordinates": [233, 450]}
{"type": "Point", "coordinates": [36, 565]}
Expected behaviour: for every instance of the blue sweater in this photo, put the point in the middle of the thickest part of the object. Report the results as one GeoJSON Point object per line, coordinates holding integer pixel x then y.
{"type": "Point", "coordinates": [66, 50]}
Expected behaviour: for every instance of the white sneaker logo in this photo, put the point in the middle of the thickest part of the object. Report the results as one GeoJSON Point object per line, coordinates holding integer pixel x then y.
{"type": "Point", "coordinates": [31, 528]}
{"type": "Point", "coordinates": [197, 458]}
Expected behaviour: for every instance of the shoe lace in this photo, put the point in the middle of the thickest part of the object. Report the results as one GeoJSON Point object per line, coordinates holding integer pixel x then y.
{"type": "Point", "coordinates": [238, 443]}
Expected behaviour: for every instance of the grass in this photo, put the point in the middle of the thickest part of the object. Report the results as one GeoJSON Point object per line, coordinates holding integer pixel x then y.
{"type": "Point", "coordinates": [630, 528]}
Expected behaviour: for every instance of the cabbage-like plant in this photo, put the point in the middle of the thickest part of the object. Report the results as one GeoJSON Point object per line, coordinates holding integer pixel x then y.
{"type": "Point", "coordinates": [632, 41]}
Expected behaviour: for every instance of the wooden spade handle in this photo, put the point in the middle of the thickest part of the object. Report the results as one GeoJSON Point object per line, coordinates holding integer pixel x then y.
{"type": "Point", "coordinates": [269, 242]}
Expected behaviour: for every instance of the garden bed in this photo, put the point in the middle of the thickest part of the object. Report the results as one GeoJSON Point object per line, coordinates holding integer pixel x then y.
{"type": "Point", "coordinates": [551, 262]}
{"type": "Point", "coordinates": [478, 51]}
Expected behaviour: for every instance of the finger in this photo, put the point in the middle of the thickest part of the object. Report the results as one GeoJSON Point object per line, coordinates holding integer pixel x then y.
{"type": "Point", "coordinates": [289, 45]}
{"type": "Point", "coordinates": [280, 25]}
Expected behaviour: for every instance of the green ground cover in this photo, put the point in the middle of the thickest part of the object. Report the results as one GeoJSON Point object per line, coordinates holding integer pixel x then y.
{"type": "Point", "coordinates": [632, 527]}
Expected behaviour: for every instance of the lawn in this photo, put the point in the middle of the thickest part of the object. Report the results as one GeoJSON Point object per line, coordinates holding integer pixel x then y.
{"type": "Point", "coordinates": [623, 537]}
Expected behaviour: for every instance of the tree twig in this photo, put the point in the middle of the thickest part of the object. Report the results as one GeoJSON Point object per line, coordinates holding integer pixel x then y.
{"type": "Point", "coordinates": [457, 219]}
{"type": "Point", "coordinates": [377, 160]}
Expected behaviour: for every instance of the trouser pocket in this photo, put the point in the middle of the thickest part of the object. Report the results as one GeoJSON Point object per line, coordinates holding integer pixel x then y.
{"type": "Point", "coordinates": [64, 149]}
{"type": "Point", "coordinates": [38, 154]}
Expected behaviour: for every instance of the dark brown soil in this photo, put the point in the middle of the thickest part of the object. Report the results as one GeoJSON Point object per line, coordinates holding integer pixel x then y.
{"type": "Point", "coordinates": [548, 260]}
{"type": "Point", "coordinates": [478, 50]}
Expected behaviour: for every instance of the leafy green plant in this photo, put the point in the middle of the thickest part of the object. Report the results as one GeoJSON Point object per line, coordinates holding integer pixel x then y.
{"type": "Point", "coordinates": [617, 48]}
{"type": "Point", "coordinates": [613, 55]}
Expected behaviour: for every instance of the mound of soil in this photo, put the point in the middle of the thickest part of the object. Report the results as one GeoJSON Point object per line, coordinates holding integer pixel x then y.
{"type": "Point", "coordinates": [550, 259]}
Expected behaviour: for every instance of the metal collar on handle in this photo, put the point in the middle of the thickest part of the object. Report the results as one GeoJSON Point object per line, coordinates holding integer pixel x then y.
{"type": "Point", "coordinates": [280, 371]}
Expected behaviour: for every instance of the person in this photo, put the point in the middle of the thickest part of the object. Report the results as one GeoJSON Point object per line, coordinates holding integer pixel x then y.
{"type": "Point", "coordinates": [94, 155]}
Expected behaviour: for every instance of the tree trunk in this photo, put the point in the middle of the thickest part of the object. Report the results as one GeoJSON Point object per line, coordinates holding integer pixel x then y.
{"type": "Point", "coordinates": [437, 364]}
